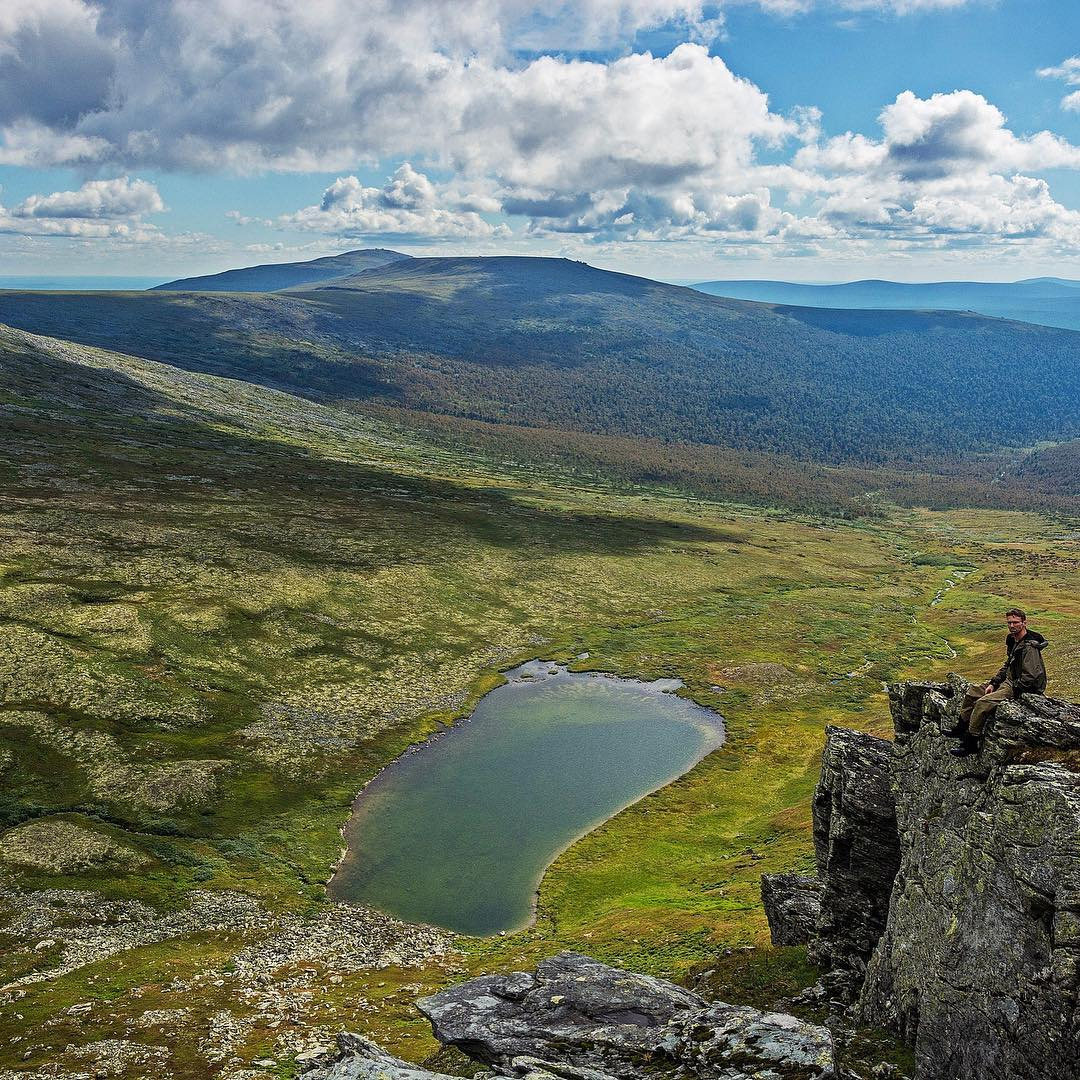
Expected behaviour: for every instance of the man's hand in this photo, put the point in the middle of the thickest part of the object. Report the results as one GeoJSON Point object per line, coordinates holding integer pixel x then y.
{"type": "Point", "coordinates": [989, 688]}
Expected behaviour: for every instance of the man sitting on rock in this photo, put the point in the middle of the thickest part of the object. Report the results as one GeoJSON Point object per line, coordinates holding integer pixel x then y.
{"type": "Point", "coordinates": [1022, 673]}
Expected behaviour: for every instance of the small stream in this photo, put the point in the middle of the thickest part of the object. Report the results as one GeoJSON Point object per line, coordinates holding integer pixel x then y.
{"type": "Point", "coordinates": [459, 831]}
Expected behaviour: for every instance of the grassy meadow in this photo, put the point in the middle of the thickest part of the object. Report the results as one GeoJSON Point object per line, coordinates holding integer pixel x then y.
{"type": "Point", "coordinates": [223, 609]}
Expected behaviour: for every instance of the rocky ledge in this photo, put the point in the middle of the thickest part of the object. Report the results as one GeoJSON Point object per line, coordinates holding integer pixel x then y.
{"type": "Point", "coordinates": [947, 904]}
{"type": "Point", "coordinates": [578, 1019]}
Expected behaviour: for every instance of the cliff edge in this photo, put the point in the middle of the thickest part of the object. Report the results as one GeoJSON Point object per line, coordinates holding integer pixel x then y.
{"type": "Point", "coordinates": [947, 903]}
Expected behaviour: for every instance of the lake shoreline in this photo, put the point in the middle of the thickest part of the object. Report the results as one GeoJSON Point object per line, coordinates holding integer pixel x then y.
{"type": "Point", "coordinates": [617, 717]}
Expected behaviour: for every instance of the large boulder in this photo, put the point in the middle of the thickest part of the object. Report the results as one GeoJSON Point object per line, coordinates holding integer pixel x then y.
{"type": "Point", "coordinates": [575, 1011]}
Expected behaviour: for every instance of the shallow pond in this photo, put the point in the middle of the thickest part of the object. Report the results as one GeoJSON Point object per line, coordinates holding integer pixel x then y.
{"type": "Point", "coordinates": [459, 831]}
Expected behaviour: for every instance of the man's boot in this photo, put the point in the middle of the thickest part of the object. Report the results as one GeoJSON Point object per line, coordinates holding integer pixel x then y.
{"type": "Point", "coordinates": [969, 744]}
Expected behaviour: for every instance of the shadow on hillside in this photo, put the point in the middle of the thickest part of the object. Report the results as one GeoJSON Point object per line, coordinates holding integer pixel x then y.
{"type": "Point", "coordinates": [133, 448]}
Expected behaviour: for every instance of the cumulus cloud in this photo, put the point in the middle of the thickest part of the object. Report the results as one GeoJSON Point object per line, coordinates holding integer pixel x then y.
{"type": "Point", "coordinates": [297, 84]}
{"type": "Point", "coordinates": [506, 102]}
{"type": "Point", "coordinates": [120, 198]}
{"type": "Point", "coordinates": [54, 66]}
{"type": "Point", "coordinates": [100, 208]}
{"type": "Point", "coordinates": [946, 166]}
{"type": "Point", "coordinates": [408, 205]}
{"type": "Point", "coordinates": [305, 84]}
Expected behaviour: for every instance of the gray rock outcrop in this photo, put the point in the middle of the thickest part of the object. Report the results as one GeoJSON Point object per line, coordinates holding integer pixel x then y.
{"type": "Point", "coordinates": [578, 1019]}
{"type": "Point", "coordinates": [979, 965]}
{"type": "Point", "coordinates": [792, 905]}
{"type": "Point", "coordinates": [972, 952]}
{"type": "Point", "coordinates": [856, 847]}
{"type": "Point", "coordinates": [577, 1011]}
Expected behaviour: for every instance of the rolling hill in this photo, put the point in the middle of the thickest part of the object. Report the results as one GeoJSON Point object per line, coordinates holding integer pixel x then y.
{"type": "Point", "coordinates": [1046, 301]}
{"type": "Point", "coordinates": [273, 277]}
{"type": "Point", "coordinates": [561, 346]}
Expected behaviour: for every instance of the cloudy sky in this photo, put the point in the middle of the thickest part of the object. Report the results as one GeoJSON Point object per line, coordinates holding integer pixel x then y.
{"type": "Point", "coordinates": [799, 139]}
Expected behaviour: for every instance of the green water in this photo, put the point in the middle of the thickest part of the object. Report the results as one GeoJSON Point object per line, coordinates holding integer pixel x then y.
{"type": "Point", "coordinates": [459, 832]}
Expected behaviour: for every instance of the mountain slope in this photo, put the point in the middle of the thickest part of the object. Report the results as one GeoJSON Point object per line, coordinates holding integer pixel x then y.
{"type": "Point", "coordinates": [555, 344]}
{"type": "Point", "coordinates": [273, 277]}
{"type": "Point", "coordinates": [1046, 301]}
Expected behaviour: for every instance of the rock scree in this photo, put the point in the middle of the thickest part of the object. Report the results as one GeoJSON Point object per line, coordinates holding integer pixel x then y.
{"type": "Point", "coordinates": [950, 888]}
{"type": "Point", "coordinates": [578, 1019]}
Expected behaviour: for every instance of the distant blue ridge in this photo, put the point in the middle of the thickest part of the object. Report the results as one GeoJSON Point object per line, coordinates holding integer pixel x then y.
{"type": "Point", "coordinates": [1047, 301]}
{"type": "Point", "coordinates": [80, 284]}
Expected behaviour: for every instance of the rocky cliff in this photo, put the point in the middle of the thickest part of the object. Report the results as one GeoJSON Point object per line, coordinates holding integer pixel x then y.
{"type": "Point", "coordinates": [949, 888]}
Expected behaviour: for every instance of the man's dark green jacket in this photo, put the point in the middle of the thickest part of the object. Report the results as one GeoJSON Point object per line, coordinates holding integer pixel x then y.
{"type": "Point", "coordinates": [1023, 665]}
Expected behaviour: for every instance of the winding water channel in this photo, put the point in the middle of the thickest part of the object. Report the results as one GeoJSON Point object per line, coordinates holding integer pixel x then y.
{"type": "Point", "coordinates": [459, 831]}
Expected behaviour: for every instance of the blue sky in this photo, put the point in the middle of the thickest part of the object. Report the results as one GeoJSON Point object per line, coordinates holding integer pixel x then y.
{"type": "Point", "coordinates": [802, 139]}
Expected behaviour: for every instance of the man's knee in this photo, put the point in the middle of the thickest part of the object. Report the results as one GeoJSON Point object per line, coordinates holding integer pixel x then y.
{"type": "Point", "coordinates": [985, 706]}
{"type": "Point", "coordinates": [971, 699]}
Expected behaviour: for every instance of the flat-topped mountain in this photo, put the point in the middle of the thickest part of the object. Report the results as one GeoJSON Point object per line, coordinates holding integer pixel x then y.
{"type": "Point", "coordinates": [555, 344]}
{"type": "Point", "coordinates": [1046, 301]}
{"type": "Point", "coordinates": [273, 277]}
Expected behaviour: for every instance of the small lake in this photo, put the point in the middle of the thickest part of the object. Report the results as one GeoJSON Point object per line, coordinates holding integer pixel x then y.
{"type": "Point", "coordinates": [458, 832]}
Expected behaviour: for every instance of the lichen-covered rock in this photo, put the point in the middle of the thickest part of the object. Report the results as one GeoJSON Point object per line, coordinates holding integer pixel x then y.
{"type": "Point", "coordinates": [856, 848]}
{"type": "Point", "coordinates": [577, 1012]}
{"type": "Point", "coordinates": [979, 966]}
{"type": "Point", "coordinates": [496, 1018]}
{"type": "Point", "coordinates": [357, 1058]}
{"type": "Point", "coordinates": [792, 906]}
{"type": "Point", "coordinates": [731, 1041]}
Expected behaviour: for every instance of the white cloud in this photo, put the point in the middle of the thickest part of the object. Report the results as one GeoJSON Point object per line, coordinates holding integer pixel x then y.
{"type": "Point", "coordinates": [640, 119]}
{"type": "Point", "coordinates": [1069, 72]}
{"type": "Point", "coordinates": [407, 205]}
{"type": "Point", "coordinates": [119, 198]}
{"type": "Point", "coordinates": [635, 146]}
{"type": "Point", "coordinates": [98, 209]}
{"type": "Point", "coordinates": [947, 167]}
{"type": "Point", "coordinates": [1068, 69]}
{"type": "Point", "coordinates": [961, 130]}
{"type": "Point", "coordinates": [30, 143]}
{"type": "Point", "coordinates": [307, 84]}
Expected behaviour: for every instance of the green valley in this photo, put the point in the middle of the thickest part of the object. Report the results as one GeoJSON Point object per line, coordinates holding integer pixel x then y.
{"type": "Point", "coordinates": [225, 606]}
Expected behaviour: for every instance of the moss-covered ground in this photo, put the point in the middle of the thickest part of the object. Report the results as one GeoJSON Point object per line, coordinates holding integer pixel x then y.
{"type": "Point", "coordinates": [222, 610]}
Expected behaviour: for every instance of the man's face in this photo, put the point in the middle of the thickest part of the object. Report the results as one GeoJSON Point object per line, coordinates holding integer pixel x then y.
{"type": "Point", "coordinates": [1015, 624]}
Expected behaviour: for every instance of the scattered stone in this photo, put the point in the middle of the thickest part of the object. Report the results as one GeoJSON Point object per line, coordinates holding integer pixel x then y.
{"type": "Point", "coordinates": [92, 928]}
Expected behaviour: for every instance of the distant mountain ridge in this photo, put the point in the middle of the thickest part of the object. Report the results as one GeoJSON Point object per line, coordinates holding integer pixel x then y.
{"type": "Point", "coordinates": [555, 344]}
{"type": "Point", "coordinates": [274, 277]}
{"type": "Point", "coordinates": [1046, 301]}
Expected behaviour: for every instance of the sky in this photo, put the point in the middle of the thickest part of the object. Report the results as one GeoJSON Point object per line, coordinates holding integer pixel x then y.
{"type": "Point", "coordinates": [805, 140]}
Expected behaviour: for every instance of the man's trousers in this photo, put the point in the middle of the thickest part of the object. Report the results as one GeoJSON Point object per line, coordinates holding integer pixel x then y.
{"type": "Point", "coordinates": [978, 706]}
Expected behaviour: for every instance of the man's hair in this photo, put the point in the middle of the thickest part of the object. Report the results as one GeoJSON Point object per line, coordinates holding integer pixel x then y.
{"type": "Point", "coordinates": [1017, 612]}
